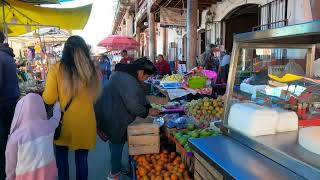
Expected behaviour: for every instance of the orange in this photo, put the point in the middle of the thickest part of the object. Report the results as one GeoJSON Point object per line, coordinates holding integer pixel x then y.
{"type": "Point", "coordinates": [174, 177]}
{"type": "Point", "coordinates": [182, 166]}
{"type": "Point", "coordinates": [158, 168]}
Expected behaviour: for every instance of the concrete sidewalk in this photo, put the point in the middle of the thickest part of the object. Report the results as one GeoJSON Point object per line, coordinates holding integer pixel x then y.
{"type": "Point", "coordinates": [98, 160]}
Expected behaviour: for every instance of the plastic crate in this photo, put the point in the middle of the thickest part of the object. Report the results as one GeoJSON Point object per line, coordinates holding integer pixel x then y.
{"type": "Point", "coordinates": [197, 82]}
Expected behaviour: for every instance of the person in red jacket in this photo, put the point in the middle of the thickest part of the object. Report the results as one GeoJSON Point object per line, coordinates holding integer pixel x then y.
{"type": "Point", "coordinates": [162, 66]}
{"type": "Point", "coordinates": [125, 58]}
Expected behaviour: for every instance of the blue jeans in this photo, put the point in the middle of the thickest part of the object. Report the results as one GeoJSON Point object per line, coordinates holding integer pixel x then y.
{"type": "Point", "coordinates": [116, 157]}
{"type": "Point", "coordinates": [81, 157]}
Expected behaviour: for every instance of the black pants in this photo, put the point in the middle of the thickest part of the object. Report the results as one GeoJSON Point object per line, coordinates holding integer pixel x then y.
{"type": "Point", "coordinates": [6, 116]}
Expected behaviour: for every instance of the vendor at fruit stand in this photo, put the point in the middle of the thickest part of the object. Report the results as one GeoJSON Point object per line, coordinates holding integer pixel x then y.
{"type": "Point", "coordinates": [128, 103]}
{"type": "Point", "coordinates": [162, 66]}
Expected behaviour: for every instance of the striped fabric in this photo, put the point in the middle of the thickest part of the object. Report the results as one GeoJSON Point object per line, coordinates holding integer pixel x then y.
{"type": "Point", "coordinates": [30, 152]}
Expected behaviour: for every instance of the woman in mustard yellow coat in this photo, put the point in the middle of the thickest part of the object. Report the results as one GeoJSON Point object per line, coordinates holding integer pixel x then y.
{"type": "Point", "coordinates": [74, 80]}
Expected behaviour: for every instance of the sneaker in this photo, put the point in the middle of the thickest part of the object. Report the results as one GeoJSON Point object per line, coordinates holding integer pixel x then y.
{"type": "Point", "coordinates": [113, 176]}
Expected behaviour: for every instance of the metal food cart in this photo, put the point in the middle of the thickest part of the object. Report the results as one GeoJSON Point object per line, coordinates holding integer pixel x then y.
{"type": "Point", "coordinates": [278, 45]}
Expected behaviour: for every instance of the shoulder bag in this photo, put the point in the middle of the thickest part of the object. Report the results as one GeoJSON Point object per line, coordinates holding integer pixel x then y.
{"type": "Point", "coordinates": [58, 129]}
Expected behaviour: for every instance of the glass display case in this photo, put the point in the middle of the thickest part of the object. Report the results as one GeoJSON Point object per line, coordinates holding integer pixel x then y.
{"type": "Point", "coordinates": [272, 94]}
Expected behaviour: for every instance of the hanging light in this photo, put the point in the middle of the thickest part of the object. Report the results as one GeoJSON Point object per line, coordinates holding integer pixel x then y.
{"type": "Point", "coordinates": [179, 31]}
{"type": "Point", "coordinates": [28, 28]}
{"type": "Point", "coordinates": [13, 19]}
{"type": "Point", "coordinates": [209, 17]}
{"type": "Point", "coordinates": [36, 35]}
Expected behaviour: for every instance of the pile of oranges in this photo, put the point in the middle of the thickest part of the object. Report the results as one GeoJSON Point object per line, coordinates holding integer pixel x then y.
{"type": "Point", "coordinates": [163, 166]}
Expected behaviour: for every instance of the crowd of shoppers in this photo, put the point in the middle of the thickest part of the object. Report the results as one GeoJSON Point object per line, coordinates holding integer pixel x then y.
{"type": "Point", "coordinates": [80, 105]}
{"type": "Point", "coordinates": [85, 97]}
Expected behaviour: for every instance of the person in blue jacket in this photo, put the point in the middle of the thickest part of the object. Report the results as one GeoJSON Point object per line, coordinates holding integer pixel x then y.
{"type": "Point", "coordinates": [105, 68]}
{"type": "Point", "coordinates": [9, 95]}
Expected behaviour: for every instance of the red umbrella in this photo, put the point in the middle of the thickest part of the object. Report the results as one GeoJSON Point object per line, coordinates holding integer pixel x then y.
{"type": "Point", "coordinates": [118, 43]}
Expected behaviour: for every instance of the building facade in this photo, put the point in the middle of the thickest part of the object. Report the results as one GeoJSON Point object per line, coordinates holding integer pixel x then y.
{"type": "Point", "coordinates": [174, 28]}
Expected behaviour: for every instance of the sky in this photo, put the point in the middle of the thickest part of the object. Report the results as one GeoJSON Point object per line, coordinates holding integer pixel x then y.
{"type": "Point", "coordinates": [100, 22]}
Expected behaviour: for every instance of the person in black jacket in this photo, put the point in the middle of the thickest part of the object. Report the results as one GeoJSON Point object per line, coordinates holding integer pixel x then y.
{"type": "Point", "coordinates": [123, 100]}
{"type": "Point", "coordinates": [9, 95]}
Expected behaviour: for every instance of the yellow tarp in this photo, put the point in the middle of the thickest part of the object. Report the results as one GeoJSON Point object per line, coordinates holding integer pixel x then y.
{"type": "Point", "coordinates": [286, 78]}
{"type": "Point", "coordinates": [69, 19]}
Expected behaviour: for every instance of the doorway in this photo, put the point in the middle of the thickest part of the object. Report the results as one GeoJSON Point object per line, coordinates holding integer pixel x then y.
{"type": "Point", "coordinates": [202, 42]}
{"type": "Point", "coordinates": [240, 20]}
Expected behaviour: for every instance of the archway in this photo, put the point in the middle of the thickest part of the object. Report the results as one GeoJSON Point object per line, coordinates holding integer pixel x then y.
{"type": "Point", "coordinates": [240, 20]}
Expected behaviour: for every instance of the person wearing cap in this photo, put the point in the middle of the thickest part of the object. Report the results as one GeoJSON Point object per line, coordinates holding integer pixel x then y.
{"type": "Point", "coordinates": [9, 95]}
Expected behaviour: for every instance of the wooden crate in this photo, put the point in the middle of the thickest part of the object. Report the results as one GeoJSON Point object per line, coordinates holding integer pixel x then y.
{"type": "Point", "coordinates": [143, 137]}
{"type": "Point", "coordinates": [203, 170]}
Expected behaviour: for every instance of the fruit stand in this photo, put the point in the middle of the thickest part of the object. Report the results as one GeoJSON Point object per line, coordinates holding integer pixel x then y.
{"type": "Point", "coordinates": [175, 159]}
{"type": "Point", "coordinates": [266, 115]}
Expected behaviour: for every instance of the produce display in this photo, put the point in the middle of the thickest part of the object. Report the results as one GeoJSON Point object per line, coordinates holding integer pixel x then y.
{"type": "Point", "coordinates": [30, 87]}
{"type": "Point", "coordinates": [173, 77]}
{"type": "Point", "coordinates": [163, 166]}
{"type": "Point", "coordinates": [156, 106]}
{"type": "Point", "coordinates": [169, 105]}
{"type": "Point", "coordinates": [204, 110]}
{"type": "Point", "coordinates": [192, 132]}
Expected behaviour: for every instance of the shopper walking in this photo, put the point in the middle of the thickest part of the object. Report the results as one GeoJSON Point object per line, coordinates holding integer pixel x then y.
{"type": "Point", "coordinates": [119, 106]}
{"type": "Point", "coordinates": [9, 95]}
{"type": "Point", "coordinates": [105, 68]}
{"type": "Point", "coordinates": [74, 82]}
{"type": "Point", "coordinates": [29, 152]}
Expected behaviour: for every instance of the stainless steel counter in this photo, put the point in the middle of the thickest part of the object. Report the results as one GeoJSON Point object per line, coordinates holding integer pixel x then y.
{"type": "Point", "coordinates": [287, 143]}
{"type": "Point", "coordinates": [284, 149]}
{"type": "Point", "coordinates": [239, 161]}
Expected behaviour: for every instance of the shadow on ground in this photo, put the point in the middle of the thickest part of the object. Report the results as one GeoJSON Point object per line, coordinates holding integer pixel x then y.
{"type": "Point", "coordinates": [99, 162]}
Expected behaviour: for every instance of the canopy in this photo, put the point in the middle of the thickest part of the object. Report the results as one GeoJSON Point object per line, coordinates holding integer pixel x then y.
{"type": "Point", "coordinates": [118, 43]}
{"type": "Point", "coordinates": [24, 13]}
{"type": "Point", "coordinates": [41, 1]}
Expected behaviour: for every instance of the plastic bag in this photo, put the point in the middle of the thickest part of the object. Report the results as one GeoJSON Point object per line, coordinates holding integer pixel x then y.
{"type": "Point", "coordinates": [179, 123]}
{"type": "Point", "coordinates": [294, 68]}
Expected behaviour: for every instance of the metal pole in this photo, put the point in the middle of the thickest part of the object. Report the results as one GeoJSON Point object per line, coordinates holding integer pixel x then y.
{"type": "Point", "coordinates": [5, 28]}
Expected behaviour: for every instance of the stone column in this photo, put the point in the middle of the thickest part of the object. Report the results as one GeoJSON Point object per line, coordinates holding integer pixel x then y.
{"type": "Point", "coordinates": [165, 41]}
{"type": "Point", "coordinates": [152, 32]}
{"type": "Point", "coordinates": [192, 9]}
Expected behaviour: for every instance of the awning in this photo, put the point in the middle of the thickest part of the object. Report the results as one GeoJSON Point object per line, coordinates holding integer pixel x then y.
{"type": "Point", "coordinates": [24, 13]}
{"type": "Point", "coordinates": [41, 1]}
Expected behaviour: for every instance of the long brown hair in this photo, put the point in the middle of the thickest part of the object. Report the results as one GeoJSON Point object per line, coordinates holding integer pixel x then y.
{"type": "Point", "coordinates": [78, 69]}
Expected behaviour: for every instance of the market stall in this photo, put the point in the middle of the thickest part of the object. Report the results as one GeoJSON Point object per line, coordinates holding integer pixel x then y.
{"type": "Point", "coordinates": [271, 118]}
{"type": "Point", "coordinates": [165, 138]}
{"type": "Point", "coordinates": [197, 82]}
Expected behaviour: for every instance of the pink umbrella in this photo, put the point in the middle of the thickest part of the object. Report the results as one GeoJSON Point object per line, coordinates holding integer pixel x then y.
{"type": "Point", "coordinates": [118, 43]}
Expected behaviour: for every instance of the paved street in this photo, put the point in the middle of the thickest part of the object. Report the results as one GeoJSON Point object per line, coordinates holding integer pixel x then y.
{"type": "Point", "coordinates": [99, 162]}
